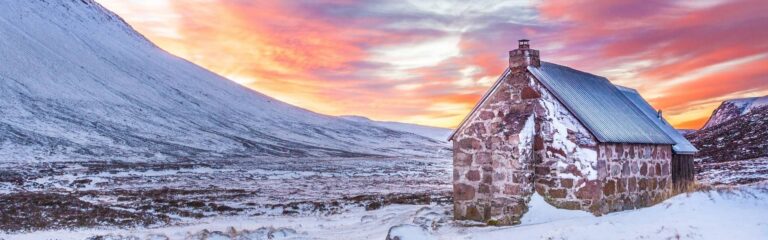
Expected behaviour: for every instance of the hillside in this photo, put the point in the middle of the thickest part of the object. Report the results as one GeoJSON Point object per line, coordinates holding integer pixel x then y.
{"type": "Point", "coordinates": [78, 83]}
{"type": "Point", "coordinates": [436, 133]}
{"type": "Point", "coordinates": [738, 138]}
{"type": "Point", "coordinates": [733, 108]}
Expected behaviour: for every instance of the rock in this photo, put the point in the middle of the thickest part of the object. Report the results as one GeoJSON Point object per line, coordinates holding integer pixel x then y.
{"type": "Point", "coordinates": [511, 189]}
{"type": "Point", "coordinates": [557, 193]}
{"type": "Point", "coordinates": [469, 144]}
{"type": "Point", "coordinates": [473, 175]}
{"type": "Point", "coordinates": [430, 218]}
{"type": "Point", "coordinates": [407, 232]}
{"type": "Point", "coordinates": [590, 190]}
{"type": "Point", "coordinates": [529, 93]}
{"type": "Point", "coordinates": [282, 233]}
{"type": "Point", "coordinates": [463, 192]}
{"type": "Point", "coordinates": [113, 237]}
{"type": "Point", "coordinates": [566, 182]}
{"type": "Point", "coordinates": [473, 213]}
{"type": "Point", "coordinates": [609, 188]}
{"type": "Point", "coordinates": [373, 206]}
{"type": "Point", "coordinates": [367, 219]}
{"type": "Point", "coordinates": [483, 158]}
{"type": "Point", "coordinates": [485, 115]}
{"type": "Point", "coordinates": [462, 159]}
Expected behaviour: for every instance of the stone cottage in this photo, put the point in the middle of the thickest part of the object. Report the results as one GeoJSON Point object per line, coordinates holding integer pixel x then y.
{"type": "Point", "coordinates": [572, 137]}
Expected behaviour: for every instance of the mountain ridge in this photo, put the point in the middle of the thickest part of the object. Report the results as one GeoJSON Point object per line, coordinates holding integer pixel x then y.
{"type": "Point", "coordinates": [77, 82]}
{"type": "Point", "coordinates": [739, 138]}
{"type": "Point", "coordinates": [436, 133]}
{"type": "Point", "coordinates": [733, 108]}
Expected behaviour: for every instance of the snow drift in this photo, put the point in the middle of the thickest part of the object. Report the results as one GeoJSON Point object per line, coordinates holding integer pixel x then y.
{"type": "Point", "coordinates": [77, 82]}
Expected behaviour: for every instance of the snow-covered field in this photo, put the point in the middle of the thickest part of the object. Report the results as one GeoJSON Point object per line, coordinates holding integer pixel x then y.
{"type": "Point", "coordinates": [738, 213]}
{"type": "Point", "coordinates": [285, 198]}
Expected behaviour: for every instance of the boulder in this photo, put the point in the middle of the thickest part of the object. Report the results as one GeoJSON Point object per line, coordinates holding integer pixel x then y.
{"type": "Point", "coordinates": [407, 232]}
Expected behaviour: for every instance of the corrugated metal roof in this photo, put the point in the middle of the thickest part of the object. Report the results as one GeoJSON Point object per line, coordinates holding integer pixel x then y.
{"type": "Point", "coordinates": [599, 105]}
{"type": "Point", "coordinates": [682, 145]}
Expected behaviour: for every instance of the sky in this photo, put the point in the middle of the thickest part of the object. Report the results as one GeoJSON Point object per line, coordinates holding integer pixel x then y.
{"type": "Point", "coordinates": [429, 62]}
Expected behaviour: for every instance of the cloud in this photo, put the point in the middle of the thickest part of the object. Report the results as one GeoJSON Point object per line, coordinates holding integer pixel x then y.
{"type": "Point", "coordinates": [429, 61]}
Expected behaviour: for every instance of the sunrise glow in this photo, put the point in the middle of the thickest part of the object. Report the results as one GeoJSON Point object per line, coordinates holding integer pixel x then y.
{"type": "Point", "coordinates": [429, 62]}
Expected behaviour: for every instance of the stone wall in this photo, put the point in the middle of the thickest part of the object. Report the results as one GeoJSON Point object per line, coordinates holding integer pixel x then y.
{"type": "Point", "coordinates": [522, 139]}
{"type": "Point", "coordinates": [492, 155]}
{"type": "Point", "coordinates": [629, 176]}
{"type": "Point", "coordinates": [574, 171]}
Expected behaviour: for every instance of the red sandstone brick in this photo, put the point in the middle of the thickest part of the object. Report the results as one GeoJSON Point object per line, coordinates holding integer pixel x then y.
{"type": "Point", "coordinates": [558, 193]}
{"type": "Point", "coordinates": [642, 185]}
{"type": "Point", "coordinates": [463, 192]}
{"type": "Point", "coordinates": [485, 115]}
{"type": "Point", "coordinates": [538, 143]}
{"type": "Point", "coordinates": [566, 183]}
{"type": "Point", "coordinates": [590, 190]}
{"type": "Point", "coordinates": [462, 159]}
{"type": "Point", "coordinates": [529, 93]}
{"type": "Point", "coordinates": [658, 169]}
{"type": "Point", "coordinates": [483, 158]}
{"type": "Point", "coordinates": [625, 170]}
{"type": "Point", "coordinates": [540, 170]}
{"type": "Point", "coordinates": [511, 189]}
{"type": "Point", "coordinates": [484, 188]}
{"type": "Point", "coordinates": [609, 188]}
{"type": "Point", "coordinates": [473, 175]}
{"type": "Point", "coordinates": [487, 177]}
{"type": "Point", "coordinates": [469, 144]}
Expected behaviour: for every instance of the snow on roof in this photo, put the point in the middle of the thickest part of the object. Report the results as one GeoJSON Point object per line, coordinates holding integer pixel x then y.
{"type": "Point", "coordinates": [599, 105]}
{"type": "Point", "coordinates": [682, 145]}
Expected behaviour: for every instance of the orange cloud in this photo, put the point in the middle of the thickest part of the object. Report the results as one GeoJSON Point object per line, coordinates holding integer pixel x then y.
{"type": "Point", "coordinates": [429, 63]}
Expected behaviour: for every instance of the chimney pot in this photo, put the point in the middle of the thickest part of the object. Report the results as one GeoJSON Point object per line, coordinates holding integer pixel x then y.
{"type": "Point", "coordinates": [523, 44]}
{"type": "Point", "coordinates": [523, 56]}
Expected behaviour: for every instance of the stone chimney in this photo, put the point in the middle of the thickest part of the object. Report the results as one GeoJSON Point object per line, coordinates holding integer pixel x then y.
{"type": "Point", "coordinates": [523, 56]}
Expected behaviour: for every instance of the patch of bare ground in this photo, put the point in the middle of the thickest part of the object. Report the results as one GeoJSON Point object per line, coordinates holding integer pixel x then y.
{"type": "Point", "coordinates": [190, 203]}
{"type": "Point", "coordinates": [37, 211]}
{"type": "Point", "coordinates": [63, 195]}
{"type": "Point", "coordinates": [373, 202]}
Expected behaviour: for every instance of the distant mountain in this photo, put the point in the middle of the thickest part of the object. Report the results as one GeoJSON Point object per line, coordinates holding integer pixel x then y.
{"type": "Point", "coordinates": [686, 131]}
{"type": "Point", "coordinates": [436, 133]}
{"type": "Point", "coordinates": [78, 83]}
{"type": "Point", "coordinates": [736, 138]}
{"type": "Point", "coordinates": [733, 108]}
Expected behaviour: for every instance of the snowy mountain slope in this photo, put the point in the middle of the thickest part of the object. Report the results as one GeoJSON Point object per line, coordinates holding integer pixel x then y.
{"type": "Point", "coordinates": [77, 82]}
{"type": "Point", "coordinates": [733, 108]}
{"type": "Point", "coordinates": [436, 133]}
{"type": "Point", "coordinates": [739, 138]}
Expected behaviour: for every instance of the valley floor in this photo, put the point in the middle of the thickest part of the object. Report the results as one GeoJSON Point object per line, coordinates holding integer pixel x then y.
{"type": "Point", "coordinates": [325, 199]}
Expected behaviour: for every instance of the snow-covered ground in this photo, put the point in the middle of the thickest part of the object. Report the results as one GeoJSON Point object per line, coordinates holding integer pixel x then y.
{"type": "Point", "coordinates": [326, 198]}
{"type": "Point", "coordinates": [732, 213]}
{"type": "Point", "coordinates": [733, 172]}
